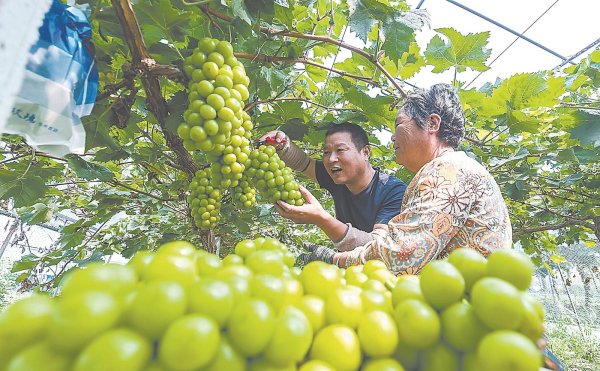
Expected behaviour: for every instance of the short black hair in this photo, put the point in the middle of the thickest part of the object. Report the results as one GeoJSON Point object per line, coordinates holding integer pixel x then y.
{"type": "Point", "coordinates": [442, 100]}
{"type": "Point", "coordinates": [357, 133]}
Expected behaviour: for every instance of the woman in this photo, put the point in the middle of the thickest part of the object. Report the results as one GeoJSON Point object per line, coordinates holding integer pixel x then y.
{"type": "Point", "coordinates": [451, 202]}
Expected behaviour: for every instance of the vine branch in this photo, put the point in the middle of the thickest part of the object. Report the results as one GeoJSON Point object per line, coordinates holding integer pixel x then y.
{"type": "Point", "coordinates": [569, 221]}
{"type": "Point", "coordinates": [15, 158]}
{"type": "Point", "coordinates": [120, 184]}
{"type": "Point", "coordinates": [576, 106]}
{"type": "Point", "coordinates": [268, 59]}
{"type": "Point", "coordinates": [257, 102]}
{"type": "Point", "coordinates": [570, 217]}
{"type": "Point", "coordinates": [75, 254]}
{"type": "Point", "coordinates": [110, 89]}
{"type": "Point", "coordinates": [518, 233]}
{"type": "Point", "coordinates": [326, 39]}
{"type": "Point", "coordinates": [148, 74]}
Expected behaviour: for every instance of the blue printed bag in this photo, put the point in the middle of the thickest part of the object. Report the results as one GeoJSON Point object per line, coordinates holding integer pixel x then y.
{"type": "Point", "coordinates": [60, 84]}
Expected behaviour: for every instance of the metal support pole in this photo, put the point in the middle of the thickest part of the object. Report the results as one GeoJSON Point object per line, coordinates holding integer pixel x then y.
{"type": "Point", "coordinates": [58, 217]}
{"type": "Point", "coordinates": [565, 59]}
{"type": "Point", "coordinates": [580, 52]}
{"type": "Point", "coordinates": [570, 300]}
{"type": "Point", "coordinates": [420, 3]}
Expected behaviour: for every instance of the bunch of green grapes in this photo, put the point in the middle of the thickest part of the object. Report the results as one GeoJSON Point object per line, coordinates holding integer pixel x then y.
{"type": "Point", "coordinates": [217, 91]}
{"type": "Point", "coordinates": [244, 196]}
{"type": "Point", "coordinates": [245, 128]}
{"type": "Point", "coordinates": [272, 177]}
{"type": "Point", "coordinates": [230, 166]}
{"type": "Point", "coordinates": [216, 124]}
{"type": "Point", "coordinates": [182, 308]}
{"type": "Point", "coordinates": [205, 200]}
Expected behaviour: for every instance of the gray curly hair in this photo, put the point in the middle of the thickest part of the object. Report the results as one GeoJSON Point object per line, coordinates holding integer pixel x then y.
{"type": "Point", "coordinates": [442, 100]}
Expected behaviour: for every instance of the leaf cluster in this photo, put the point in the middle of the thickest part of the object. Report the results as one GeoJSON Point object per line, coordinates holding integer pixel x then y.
{"type": "Point", "coordinates": [538, 133]}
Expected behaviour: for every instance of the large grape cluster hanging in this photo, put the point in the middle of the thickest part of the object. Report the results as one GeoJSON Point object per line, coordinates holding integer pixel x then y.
{"type": "Point", "coordinates": [273, 178]}
{"type": "Point", "coordinates": [216, 124]}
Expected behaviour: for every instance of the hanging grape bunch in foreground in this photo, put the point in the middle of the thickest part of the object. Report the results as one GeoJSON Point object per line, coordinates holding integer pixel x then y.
{"type": "Point", "coordinates": [216, 124]}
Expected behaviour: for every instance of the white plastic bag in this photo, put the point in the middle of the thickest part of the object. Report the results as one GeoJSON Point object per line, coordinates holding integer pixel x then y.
{"type": "Point", "coordinates": [59, 86]}
{"type": "Point", "coordinates": [19, 24]}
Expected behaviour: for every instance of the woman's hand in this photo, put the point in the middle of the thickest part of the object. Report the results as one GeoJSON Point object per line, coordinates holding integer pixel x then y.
{"type": "Point", "coordinates": [316, 252]}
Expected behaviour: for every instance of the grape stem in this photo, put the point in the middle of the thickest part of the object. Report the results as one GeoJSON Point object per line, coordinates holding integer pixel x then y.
{"type": "Point", "coordinates": [155, 101]}
{"type": "Point", "coordinates": [269, 59]}
{"type": "Point", "coordinates": [257, 102]}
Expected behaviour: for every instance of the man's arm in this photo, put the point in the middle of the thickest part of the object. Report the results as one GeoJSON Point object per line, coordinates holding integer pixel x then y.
{"type": "Point", "coordinates": [311, 171]}
{"type": "Point", "coordinates": [313, 213]}
{"type": "Point", "coordinates": [291, 154]}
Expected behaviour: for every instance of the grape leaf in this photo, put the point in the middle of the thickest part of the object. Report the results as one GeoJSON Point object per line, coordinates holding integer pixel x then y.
{"type": "Point", "coordinates": [587, 129]}
{"type": "Point", "coordinates": [265, 9]}
{"type": "Point", "coordinates": [364, 14]}
{"type": "Point", "coordinates": [239, 10]}
{"type": "Point", "coordinates": [24, 189]}
{"type": "Point", "coordinates": [411, 62]}
{"type": "Point", "coordinates": [398, 37]}
{"type": "Point", "coordinates": [88, 170]}
{"type": "Point", "coordinates": [461, 51]}
{"type": "Point", "coordinates": [35, 214]}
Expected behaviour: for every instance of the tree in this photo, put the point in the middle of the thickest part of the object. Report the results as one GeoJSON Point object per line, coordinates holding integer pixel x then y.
{"type": "Point", "coordinates": [538, 133]}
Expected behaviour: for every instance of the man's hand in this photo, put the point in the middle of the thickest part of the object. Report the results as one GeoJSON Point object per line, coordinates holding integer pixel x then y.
{"type": "Point", "coordinates": [316, 252]}
{"type": "Point", "coordinates": [310, 213]}
{"type": "Point", "coordinates": [275, 138]}
{"type": "Point", "coordinates": [291, 154]}
{"type": "Point", "coordinates": [313, 213]}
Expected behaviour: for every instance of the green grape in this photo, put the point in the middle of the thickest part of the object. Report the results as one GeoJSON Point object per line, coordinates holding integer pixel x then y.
{"type": "Point", "coordinates": [244, 196]}
{"type": "Point", "coordinates": [216, 124]}
{"type": "Point", "coordinates": [205, 199]}
{"type": "Point", "coordinates": [182, 308]}
{"type": "Point", "coordinates": [265, 162]}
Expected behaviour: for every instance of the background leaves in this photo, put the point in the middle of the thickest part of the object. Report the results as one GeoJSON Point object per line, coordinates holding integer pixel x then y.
{"type": "Point", "coordinates": [538, 133]}
{"type": "Point", "coordinates": [459, 51]}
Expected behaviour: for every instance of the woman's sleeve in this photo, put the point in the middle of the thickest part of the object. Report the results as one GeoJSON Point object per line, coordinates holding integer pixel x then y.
{"type": "Point", "coordinates": [437, 208]}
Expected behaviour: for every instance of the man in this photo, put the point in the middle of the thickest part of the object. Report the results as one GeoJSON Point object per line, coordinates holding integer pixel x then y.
{"type": "Point", "coordinates": [363, 196]}
{"type": "Point", "coordinates": [452, 201]}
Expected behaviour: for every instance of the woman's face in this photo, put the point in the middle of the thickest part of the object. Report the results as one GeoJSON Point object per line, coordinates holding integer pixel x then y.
{"type": "Point", "coordinates": [411, 143]}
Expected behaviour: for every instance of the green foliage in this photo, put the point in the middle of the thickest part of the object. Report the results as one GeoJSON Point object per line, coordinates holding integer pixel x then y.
{"type": "Point", "coordinates": [34, 214]}
{"type": "Point", "coordinates": [538, 133]}
{"type": "Point", "coordinates": [587, 129]}
{"type": "Point", "coordinates": [574, 350]}
{"type": "Point", "coordinates": [24, 189]}
{"type": "Point", "coordinates": [87, 170]}
{"type": "Point", "coordinates": [365, 16]}
{"type": "Point", "coordinates": [461, 51]}
{"type": "Point", "coordinates": [8, 286]}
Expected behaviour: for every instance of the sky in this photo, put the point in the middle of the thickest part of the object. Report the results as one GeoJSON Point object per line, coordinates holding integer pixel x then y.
{"type": "Point", "coordinates": [568, 27]}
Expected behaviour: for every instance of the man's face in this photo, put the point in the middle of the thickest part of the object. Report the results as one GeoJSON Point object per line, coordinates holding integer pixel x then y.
{"type": "Point", "coordinates": [343, 161]}
{"type": "Point", "coordinates": [410, 141]}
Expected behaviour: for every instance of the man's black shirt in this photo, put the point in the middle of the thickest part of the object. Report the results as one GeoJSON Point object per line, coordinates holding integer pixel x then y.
{"type": "Point", "coordinates": [376, 204]}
